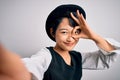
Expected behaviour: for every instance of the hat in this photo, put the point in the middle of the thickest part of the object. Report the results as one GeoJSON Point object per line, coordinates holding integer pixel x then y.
{"type": "Point", "coordinates": [60, 11]}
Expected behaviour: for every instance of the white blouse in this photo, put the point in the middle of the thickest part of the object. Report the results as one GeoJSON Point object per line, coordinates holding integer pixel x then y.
{"type": "Point", "coordinates": [37, 64]}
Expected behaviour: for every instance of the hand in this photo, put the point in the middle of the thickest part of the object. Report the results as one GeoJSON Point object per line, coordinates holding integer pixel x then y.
{"type": "Point", "coordinates": [83, 30]}
{"type": "Point", "coordinates": [11, 66]}
{"type": "Point", "coordinates": [1, 49]}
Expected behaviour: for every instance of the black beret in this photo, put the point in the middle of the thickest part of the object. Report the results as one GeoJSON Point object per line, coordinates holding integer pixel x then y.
{"type": "Point", "coordinates": [60, 11]}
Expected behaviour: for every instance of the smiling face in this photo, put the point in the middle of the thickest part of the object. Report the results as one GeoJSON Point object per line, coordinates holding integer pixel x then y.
{"type": "Point", "coordinates": [63, 36]}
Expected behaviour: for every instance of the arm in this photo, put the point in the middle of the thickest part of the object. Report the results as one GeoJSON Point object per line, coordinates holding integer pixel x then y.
{"type": "Point", "coordinates": [11, 66]}
{"type": "Point", "coordinates": [102, 43]}
{"type": "Point", "coordinates": [38, 63]}
{"type": "Point", "coordinates": [101, 59]}
{"type": "Point", "coordinates": [87, 33]}
{"type": "Point", "coordinates": [106, 54]}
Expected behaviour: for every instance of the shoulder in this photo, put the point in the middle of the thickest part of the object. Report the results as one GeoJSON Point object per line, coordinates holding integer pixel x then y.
{"type": "Point", "coordinates": [75, 53]}
{"type": "Point", "coordinates": [43, 52]}
{"type": "Point", "coordinates": [43, 56]}
{"type": "Point", "coordinates": [38, 63]}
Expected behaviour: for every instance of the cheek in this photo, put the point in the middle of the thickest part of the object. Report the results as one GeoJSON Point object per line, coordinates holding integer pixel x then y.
{"type": "Point", "coordinates": [60, 38]}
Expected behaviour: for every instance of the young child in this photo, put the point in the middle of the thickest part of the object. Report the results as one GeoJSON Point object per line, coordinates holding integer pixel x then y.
{"type": "Point", "coordinates": [65, 25]}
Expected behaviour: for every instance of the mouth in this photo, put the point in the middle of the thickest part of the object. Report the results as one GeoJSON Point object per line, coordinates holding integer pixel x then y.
{"type": "Point", "coordinates": [68, 44]}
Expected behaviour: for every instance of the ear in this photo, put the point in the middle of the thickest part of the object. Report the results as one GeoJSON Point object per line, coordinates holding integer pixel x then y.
{"type": "Point", "coordinates": [51, 32]}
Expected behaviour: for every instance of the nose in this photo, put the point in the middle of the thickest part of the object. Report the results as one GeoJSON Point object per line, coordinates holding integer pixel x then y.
{"type": "Point", "coordinates": [70, 38]}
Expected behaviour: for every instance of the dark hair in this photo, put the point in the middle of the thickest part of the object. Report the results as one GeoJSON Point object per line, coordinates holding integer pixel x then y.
{"type": "Point", "coordinates": [60, 12]}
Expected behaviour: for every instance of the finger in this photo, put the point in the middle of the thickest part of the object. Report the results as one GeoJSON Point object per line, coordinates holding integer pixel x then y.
{"type": "Point", "coordinates": [76, 31]}
{"type": "Point", "coordinates": [79, 16]}
{"type": "Point", "coordinates": [83, 19]}
{"type": "Point", "coordinates": [76, 37]}
{"type": "Point", "coordinates": [74, 18]}
{"type": "Point", "coordinates": [78, 13]}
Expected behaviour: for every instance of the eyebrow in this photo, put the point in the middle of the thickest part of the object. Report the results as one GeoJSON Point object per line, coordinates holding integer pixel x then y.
{"type": "Point", "coordinates": [63, 29]}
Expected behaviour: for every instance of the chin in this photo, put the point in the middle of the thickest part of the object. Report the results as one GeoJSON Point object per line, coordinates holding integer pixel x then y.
{"type": "Point", "coordinates": [68, 48]}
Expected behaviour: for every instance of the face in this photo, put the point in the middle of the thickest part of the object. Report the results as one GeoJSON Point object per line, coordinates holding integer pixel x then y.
{"type": "Point", "coordinates": [63, 36]}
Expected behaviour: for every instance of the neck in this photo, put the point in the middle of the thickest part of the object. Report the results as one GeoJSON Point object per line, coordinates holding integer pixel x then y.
{"type": "Point", "coordinates": [64, 54]}
{"type": "Point", "coordinates": [60, 50]}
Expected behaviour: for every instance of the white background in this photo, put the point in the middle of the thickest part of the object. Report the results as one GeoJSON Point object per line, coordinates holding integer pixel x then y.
{"type": "Point", "coordinates": [22, 28]}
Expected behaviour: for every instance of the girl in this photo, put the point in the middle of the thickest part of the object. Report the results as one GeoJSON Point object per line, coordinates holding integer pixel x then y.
{"type": "Point", "coordinates": [65, 25]}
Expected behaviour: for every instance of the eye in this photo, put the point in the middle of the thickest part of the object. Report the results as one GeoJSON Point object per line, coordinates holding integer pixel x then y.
{"type": "Point", "coordinates": [78, 31]}
{"type": "Point", "coordinates": [64, 32]}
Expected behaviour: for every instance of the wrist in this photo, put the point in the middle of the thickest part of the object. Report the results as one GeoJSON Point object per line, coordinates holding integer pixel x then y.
{"type": "Point", "coordinates": [96, 38]}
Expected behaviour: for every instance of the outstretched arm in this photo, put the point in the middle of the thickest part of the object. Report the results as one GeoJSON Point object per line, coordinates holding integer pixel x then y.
{"type": "Point", "coordinates": [11, 66]}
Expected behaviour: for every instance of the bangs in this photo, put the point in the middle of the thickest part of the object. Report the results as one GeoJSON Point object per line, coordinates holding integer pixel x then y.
{"type": "Point", "coordinates": [72, 22]}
